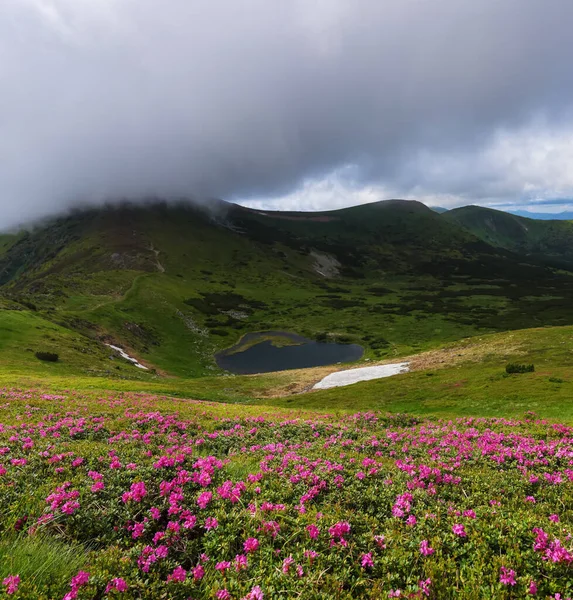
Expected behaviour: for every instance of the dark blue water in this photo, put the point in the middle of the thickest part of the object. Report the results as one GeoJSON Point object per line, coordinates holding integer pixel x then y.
{"type": "Point", "coordinates": [264, 357]}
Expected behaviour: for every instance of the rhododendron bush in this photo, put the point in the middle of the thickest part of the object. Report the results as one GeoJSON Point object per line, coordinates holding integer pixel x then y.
{"type": "Point", "coordinates": [173, 499]}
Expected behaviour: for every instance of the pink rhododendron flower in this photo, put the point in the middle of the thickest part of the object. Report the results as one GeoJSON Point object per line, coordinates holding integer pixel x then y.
{"type": "Point", "coordinates": [116, 585]}
{"type": "Point", "coordinates": [425, 548]}
{"type": "Point", "coordinates": [241, 562]}
{"type": "Point", "coordinates": [313, 531]}
{"type": "Point", "coordinates": [136, 493]}
{"type": "Point", "coordinates": [255, 594]}
{"type": "Point", "coordinates": [366, 561]}
{"type": "Point", "coordinates": [459, 530]}
{"type": "Point", "coordinates": [198, 572]}
{"type": "Point", "coordinates": [251, 545]}
{"type": "Point", "coordinates": [11, 583]}
{"type": "Point", "coordinates": [425, 586]}
{"type": "Point", "coordinates": [223, 566]}
{"type": "Point", "coordinates": [507, 576]}
{"type": "Point", "coordinates": [179, 574]}
{"type": "Point", "coordinates": [287, 562]}
{"type": "Point", "coordinates": [204, 499]}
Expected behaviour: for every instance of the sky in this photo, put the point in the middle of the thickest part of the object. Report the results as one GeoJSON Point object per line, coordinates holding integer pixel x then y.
{"type": "Point", "coordinates": [298, 104]}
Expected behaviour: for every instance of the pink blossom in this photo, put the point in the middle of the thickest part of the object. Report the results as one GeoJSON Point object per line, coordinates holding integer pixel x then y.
{"type": "Point", "coordinates": [271, 527]}
{"type": "Point", "coordinates": [532, 588]}
{"type": "Point", "coordinates": [241, 562]}
{"type": "Point", "coordinates": [507, 576]}
{"type": "Point", "coordinates": [366, 560]}
{"type": "Point", "coordinates": [425, 586]}
{"type": "Point", "coordinates": [255, 594]}
{"type": "Point", "coordinates": [459, 530]}
{"type": "Point", "coordinates": [223, 566]}
{"type": "Point", "coordinates": [204, 499]}
{"type": "Point", "coordinates": [339, 530]}
{"type": "Point", "coordinates": [198, 572]}
{"type": "Point", "coordinates": [11, 582]}
{"type": "Point", "coordinates": [223, 595]}
{"type": "Point", "coordinates": [116, 585]}
{"type": "Point", "coordinates": [425, 548]}
{"type": "Point", "coordinates": [80, 579]}
{"type": "Point", "coordinates": [313, 531]}
{"type": "Point", "coordinates": [136, 493]}
{"type": "Point", "coordinates": [287, 562]}
{"type": "Point", "coordinates": [179, 574]}
{"type": "Point", "coordinates": [251, 545]}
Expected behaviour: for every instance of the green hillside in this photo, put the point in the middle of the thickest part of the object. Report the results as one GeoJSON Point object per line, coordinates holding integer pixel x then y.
{"type": "Point", "coordinates": [7, 240]}
{"type": "Point", "coordinates": [173, 283]}
{"type": "Point", "coordinates": [550, 242]}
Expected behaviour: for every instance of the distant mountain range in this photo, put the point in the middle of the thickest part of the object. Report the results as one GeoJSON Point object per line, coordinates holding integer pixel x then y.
{"type": "Point", "coordinates": [172, 283]}
{"type": "Point", "coordinates": [560, 216]}
{"type": "Point", "coordinates": [542, 216]}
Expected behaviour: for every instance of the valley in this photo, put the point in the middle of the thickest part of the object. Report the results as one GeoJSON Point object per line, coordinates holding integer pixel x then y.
{"type": "Point", "coordinates": [407, 280]}
{"type": "Point", "coordinates": [158, 439]}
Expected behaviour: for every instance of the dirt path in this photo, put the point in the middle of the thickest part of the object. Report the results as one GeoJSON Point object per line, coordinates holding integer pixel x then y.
{"type": "Point", "coordinates": [160, 267]}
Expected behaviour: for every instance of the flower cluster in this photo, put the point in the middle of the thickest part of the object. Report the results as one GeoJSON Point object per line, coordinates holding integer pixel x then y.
{"type": "Point", "coordinates": [179, 499]}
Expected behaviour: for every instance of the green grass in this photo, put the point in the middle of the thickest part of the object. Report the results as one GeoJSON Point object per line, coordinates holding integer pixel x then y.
{"type": "Point", "coordinates": [480, 388]}
{"type": "Point", "coordinates": [42, 562]}
{"type": "Point", "coordinates": [24, 332]}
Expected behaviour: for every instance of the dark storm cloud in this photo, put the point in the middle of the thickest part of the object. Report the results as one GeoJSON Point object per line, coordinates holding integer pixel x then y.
{"type": "Point", "coordinates": [239, 99]}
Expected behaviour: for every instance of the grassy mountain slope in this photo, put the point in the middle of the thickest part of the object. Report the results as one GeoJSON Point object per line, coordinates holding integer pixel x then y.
{"type": "Point", "coordinates": [7, 240]}
{"type": "Point", "coordinates": [475, 384]}
{"type": "Point", "coordinates": [547, 241]}
{"type": "Point", "coordinates": [173, 283]}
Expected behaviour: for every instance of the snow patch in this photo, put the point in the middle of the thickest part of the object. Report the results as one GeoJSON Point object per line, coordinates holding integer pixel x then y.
{"type": "Point", "coordinates": [124, 354]}
{"type": "Point", "coordinates": [351, 376]}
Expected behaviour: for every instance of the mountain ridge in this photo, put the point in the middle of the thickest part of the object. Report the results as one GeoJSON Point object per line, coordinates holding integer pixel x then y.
{"type": "Point", "coordinates": [172, 283]}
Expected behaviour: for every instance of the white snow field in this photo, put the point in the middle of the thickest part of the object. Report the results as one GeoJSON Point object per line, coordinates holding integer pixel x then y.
{"type": "Point", "coordinates": [351, 376]}
{"type": "Point", "coordinates": [126, 356]}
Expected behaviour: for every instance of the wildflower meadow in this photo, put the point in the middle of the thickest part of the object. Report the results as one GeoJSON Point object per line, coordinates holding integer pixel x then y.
{"type": "Point", "coordinates": [117, 496]}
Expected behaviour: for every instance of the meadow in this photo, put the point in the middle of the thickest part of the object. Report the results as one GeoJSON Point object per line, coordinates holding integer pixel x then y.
{"type": "Point", "coordinates": [126, 495]}
{"type": "Point", "coordinates": [185, 482]}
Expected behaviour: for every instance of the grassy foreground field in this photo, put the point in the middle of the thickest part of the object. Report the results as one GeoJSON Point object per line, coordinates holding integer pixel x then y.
{"type": "Point", "coordinates": [122, 495]}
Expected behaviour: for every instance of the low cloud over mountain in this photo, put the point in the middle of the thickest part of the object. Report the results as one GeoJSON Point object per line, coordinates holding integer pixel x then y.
{"type": "Point", "coordinates": [286, 104]}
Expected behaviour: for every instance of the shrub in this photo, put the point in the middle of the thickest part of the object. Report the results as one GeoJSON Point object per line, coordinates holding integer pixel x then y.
{"type": "Point", "coordinates": [517, 368]}
{"type": "Point", "coordinates": [220, 332]}
{"type": "Point", "coordinates": [47, 356]}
